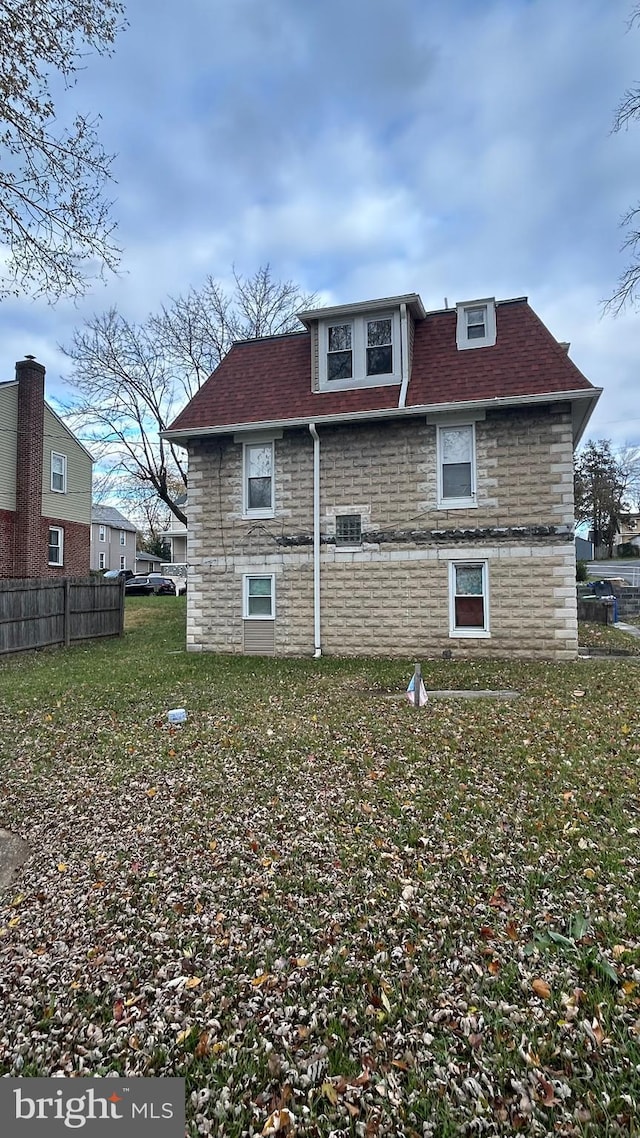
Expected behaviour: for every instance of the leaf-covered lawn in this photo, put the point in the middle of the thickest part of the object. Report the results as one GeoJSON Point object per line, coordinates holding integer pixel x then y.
{"type": "Point", "coordinates": [334, 914]}
{"type": "Point", "coordinates": [593, 635]}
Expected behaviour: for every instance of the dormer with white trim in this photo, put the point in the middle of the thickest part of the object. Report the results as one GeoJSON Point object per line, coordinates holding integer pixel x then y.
{"type": "Point", "coordinates": [476, 324]}
{"type": "Point", "coordinates": [362, 345]}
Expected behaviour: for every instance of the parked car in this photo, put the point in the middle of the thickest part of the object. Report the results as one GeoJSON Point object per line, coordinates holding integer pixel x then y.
{"type": "Point", "coordinates": [111, 574]}
{"type": "Point", "coordinates": [162, 586]}
{"type": "Point", "coordinates": [138, 587]}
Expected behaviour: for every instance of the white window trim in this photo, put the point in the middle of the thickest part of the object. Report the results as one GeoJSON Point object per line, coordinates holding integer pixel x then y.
{"type": "Point", "coordinates": [102, 561]}
{"type": "Point", "coordinates": [56, 489]}
{"type": "Point", "coordinates": [246, 577]}
{"type": "Point", "coordinates": [263, 511]}
{"type": "Point", "coordinates": [469, 633]}
{"type": "Point", "coordinates": [123, 537]}
{"type": "Point", "coordinates": [489, 338]}
{"type": "Point", "coordinates": [360, 379]}
{"type": "Point", "coordinates": [102, 533]}
{"type": "Point", "coordinates": [60, 532]}
{"type": "Point", "coordinates": [456, 503]}
{"type": "Point", "coordinates": [123, 561]}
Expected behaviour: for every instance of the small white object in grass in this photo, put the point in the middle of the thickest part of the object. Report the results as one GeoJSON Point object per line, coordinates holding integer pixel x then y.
{"type": "Point", "coordinates": [176, 715]}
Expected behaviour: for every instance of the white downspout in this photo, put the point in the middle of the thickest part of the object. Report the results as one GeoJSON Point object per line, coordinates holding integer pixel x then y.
{"type": "Point", "coordinates": [404, 353]}
{"type": "Point", "coordinates": [316, 540]}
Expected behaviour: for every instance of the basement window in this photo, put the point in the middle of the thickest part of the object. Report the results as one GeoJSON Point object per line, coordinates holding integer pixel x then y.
{"type": "Point", "coordinates": [348, 529]}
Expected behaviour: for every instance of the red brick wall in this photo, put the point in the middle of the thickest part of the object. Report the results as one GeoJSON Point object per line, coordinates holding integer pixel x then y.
{"type": "Point", "coordinates": [7, 524]}
{"type": "Point", "coordinates": [76, 550]}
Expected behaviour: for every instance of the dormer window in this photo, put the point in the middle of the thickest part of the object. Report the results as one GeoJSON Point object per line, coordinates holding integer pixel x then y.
{"type": "Point", "coordinates": [476, 324]}
{"type": "Point", "coordinates": [361, 352]}
{"type": "Point", "coordinates": [339, 352]}
{"type": "Point", "coordinates": [379, 347]}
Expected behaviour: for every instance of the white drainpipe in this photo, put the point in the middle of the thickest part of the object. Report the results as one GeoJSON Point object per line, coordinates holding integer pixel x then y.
{"type": "Point", "coordinates": [316, 540]}
{"type": "Point", "coordinates": [404, 352]}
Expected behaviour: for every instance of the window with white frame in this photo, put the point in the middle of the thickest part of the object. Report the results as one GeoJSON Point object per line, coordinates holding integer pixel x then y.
{"type": "Point", "coordinates": [363, 351]}
{"type": "Point", "coordinates": [259, 597]}
{"type": "Point", "coordinates": [56, 545]}
{"type": "Point", "coordinates": [123, 537]}
{"type": "Point", "coordinates": [102, 561]}
{"type": "Point", "coordinates": [456, 450]}
{"type": "Point", "coordinates": [58, 473]}
{"type": "Point", "coordinates": [102, 533]}
{"type": "Point", "coordinates": [476, 324]}
{"type": "Point", "coordinates": [258, 480]}
{"type": "Point", "coordinates": [123, 562]}
{"type": "Point", "coordinates": [468, 598]}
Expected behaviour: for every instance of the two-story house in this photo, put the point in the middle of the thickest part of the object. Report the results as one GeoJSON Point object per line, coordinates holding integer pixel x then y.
{"type": "Point", "coordinates": [387, 481]}
{"type": "Point", "coordinates": [113, 539]}
{"type": "Point", "coordinates": [45, 483]}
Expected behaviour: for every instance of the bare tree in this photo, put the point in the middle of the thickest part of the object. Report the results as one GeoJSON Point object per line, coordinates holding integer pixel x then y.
{"type": "Point", "coordinates": [133, 379]}
{"type": "Point", "coordinates": [626, 292]}
{"type": "Point", "coordinates": [54, 218]}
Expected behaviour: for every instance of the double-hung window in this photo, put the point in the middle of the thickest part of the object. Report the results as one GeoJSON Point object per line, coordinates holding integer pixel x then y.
{"type": "Point", "coordinates": [476, 324]}
{"type": "Point", "coordinates": [363, 351]}
{"type": "Point", "coordinates": [123, 537]}
{"type": "Point", "coordinates": [258, 480]}
{"type": "Point", "coordinates": [102, 533]}
{"type": "Point", "coordinates": [58, 473]}
{"type": "Point", "coordinates": [468, 599]}
{"type": "Point", "coordinates": [456, 449]}
{"type": "Point", "coordinates": [102, 561]}
{"type": "Point", "coordinates": [259, 597]}
{"type": "Point", "coordinates": [56, 545]}
{"type": "Point", "coordinates": [339, 351]}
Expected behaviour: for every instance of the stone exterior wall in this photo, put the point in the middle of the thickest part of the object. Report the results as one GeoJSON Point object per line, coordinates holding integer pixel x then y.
{"type": "Point", "coordinates": [390, 595]}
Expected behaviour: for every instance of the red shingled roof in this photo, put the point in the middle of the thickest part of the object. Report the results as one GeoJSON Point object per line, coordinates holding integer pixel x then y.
{"type": "Point", "coordinates": [269, 380]}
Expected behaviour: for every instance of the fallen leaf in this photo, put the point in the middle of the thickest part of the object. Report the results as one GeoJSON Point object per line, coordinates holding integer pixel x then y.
{"type": "Point", "coordinates": [542, 989]}
{"type": "Point", "coordinates": [152, 791]}
{"type": "Point", "coordinates": [193, 982]}
{"type": "Point", "coordinates": [257, 981]}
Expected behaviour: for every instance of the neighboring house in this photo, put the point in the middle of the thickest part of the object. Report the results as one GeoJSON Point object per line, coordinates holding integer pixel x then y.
{"type": "Point", "coordinates": [113, 539]}
{"type": "Point", "coordinates": [584, 549]}
{"type": "Point", "coordinates": [388, 481]}
{"type": "Point", "coordinates": [175, 536]}
{"type": "Point", "coordinates": [147, 563]}
{"type": "Point", "coordinates": [45, 484]}
{"type": "Point", "coordinates": [629, 531]}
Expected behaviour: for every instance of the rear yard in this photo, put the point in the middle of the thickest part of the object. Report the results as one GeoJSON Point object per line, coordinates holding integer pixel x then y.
{"type": "Point", "coordinates": [332, 913]}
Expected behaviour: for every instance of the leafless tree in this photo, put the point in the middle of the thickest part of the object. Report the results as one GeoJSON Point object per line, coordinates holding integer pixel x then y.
{"type": "Point", "coordinates": [132, 380]}
{"type": "Point", "coordinates": [626, 292]}
{"type": "Point", "coordinates": [55, 221]}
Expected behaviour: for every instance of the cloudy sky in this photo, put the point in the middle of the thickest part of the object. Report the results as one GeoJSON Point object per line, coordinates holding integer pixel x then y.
{"type": "Point", "coordinates": [369, 148]}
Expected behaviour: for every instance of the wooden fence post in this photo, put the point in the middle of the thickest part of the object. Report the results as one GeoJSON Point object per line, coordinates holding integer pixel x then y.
{"type": "Point", "coordinates": [67, 612]}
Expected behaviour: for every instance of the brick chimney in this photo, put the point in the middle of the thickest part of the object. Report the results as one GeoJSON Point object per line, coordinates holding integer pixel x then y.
{"type": "Point", "coordinates": [31, 557]}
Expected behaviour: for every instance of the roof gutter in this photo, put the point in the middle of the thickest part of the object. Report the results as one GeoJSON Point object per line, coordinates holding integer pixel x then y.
{"type": "Point", "coordinates": [591, 395]}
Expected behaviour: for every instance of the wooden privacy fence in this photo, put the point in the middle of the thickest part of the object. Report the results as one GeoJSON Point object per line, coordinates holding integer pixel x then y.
{"type": "Point", "coordinates": [36, 613]}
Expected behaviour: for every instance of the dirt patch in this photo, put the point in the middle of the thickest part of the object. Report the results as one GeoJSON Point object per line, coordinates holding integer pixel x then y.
{"type": "Point", "coordinates": [13, 853]}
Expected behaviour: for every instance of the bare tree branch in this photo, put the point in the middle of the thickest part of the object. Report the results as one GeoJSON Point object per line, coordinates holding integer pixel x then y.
{"type": "Point", "coordinates": [54, 217]}
{"type": "Point", "coordinates": [133, 379]}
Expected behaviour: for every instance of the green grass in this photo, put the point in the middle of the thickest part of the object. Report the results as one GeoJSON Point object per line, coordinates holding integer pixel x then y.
{"type": "Point", "coordinates": [312, 897]}
{"type": "Point", "coordinates": [594, 635]}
